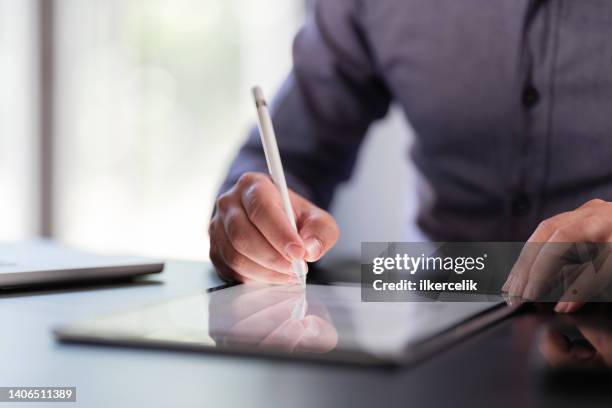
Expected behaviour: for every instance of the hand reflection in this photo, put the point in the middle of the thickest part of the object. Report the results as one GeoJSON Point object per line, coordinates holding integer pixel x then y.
{"type": "Point", "coordinates": [594, 350]}
{"type": "Point", "coordinates": [277, 317]}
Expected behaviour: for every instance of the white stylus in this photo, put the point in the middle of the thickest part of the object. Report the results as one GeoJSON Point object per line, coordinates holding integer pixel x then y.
{"type": "Point", "coordinates": [275, 167]}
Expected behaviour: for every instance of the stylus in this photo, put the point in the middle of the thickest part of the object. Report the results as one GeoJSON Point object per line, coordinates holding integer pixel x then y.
{"type": "Point", "coordinates": [275, 167]}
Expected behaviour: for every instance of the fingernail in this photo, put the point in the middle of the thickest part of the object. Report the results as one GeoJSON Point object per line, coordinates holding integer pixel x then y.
{"type": "Point", "coordinates": [294, 251]}
{"type": "Point", "coordinates": [530, 293]}
{"type": "Point", "coordinates": [514, 300]}
{"type": "Point", "coordinates": [313, 247]}
{"type": "Point", "coordinates": [572, 307]}
{"type": "Point", "coordinates": [561, 307]}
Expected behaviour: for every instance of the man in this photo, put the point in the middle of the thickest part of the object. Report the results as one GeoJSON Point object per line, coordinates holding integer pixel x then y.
{"type": "Point", "coordinates": [511, 101]}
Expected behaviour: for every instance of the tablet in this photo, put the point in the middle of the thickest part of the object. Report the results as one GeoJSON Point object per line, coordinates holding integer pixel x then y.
{"type": "Point", "coordinates": [326, 323]}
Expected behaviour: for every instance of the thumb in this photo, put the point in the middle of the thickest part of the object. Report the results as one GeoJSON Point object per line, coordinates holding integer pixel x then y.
{"type": "Point", "coordinates": [319, 232]}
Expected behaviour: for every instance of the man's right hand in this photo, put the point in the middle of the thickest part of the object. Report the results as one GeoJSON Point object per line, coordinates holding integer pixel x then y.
{"type": "Point", "coordinates": [251, 238]}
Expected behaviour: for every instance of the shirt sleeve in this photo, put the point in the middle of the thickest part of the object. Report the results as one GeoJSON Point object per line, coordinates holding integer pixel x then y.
{"type": "Point", "coordinates": [324, 107]}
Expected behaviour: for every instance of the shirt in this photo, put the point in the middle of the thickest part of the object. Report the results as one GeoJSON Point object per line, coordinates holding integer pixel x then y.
{"type": "Point", "coordinates": [511, 102]}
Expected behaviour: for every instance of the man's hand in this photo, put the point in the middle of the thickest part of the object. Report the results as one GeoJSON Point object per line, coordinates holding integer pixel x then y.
{"type": "Point", "coordinates": [545, 255]}
{"type": "Point", "coordinates": [251, 238]}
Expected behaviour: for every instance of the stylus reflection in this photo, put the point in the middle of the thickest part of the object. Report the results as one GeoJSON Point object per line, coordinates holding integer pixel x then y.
{"type": "Point", "coordinates": [283, 318]}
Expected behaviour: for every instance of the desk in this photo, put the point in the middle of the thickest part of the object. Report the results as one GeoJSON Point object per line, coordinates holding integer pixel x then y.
{"type": "Point", "coordinates": [489, 369]}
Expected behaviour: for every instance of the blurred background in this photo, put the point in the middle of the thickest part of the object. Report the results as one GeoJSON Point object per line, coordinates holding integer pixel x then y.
{"type": "Point", "coordinates": [118, 120]}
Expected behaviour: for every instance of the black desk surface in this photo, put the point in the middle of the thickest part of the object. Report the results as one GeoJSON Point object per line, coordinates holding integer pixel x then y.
{"type": "Point", "coordinates": [491, 368]}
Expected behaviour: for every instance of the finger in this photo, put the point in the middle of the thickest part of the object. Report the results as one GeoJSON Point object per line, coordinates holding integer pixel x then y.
{"type": "Point", "coordinates": [263, 205]}
{"type": "Point", "coordinates": [589, 283]}
{"type": "Point", "coordinates": [551, 257]}
{"type": "Point", "coordinates": [248, 241]}
{"type": "Point", "coordinates": [568, 307]}
{"type": "Point", "coordinates": [225, 273]}
{"type": "Point", "coordinates": [593, 204]}
{"type": "Point", "coordinates": [319, 232]}
{"type": "Point", "coordinates": [521, 266]}
{"type": "Point", "coordinates": [534, 246]}
{"type": "Point", "coordinates": [245, 269]}
{"type": "Point", "coordinates": [518, 275]}
{"type": "Point", "coordinates": [508, 282]}
{"type": "Point", "coordinates": [545, 272]}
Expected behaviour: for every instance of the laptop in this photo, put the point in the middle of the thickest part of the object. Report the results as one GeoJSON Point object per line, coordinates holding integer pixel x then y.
{"type": "Point", "coordinates": [41, 262]}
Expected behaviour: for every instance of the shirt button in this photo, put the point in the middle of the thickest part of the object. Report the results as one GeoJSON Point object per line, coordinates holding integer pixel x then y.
{"type": "Point", "coordinates": [531, 96]}
{"type": "Point", "coordinates": [520, 204]}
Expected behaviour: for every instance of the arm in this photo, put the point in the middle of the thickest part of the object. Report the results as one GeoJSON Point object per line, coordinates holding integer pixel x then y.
{"type": "Point", "coordinates": [324, 108]}
{"type": "Point", "coordinates": [321, 116]}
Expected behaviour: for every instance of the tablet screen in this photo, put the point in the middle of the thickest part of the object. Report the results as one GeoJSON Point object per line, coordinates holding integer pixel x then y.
{"type": "Point", "coordinates": [324, 322]}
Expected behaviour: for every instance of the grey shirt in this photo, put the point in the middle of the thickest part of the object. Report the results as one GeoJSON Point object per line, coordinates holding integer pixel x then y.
{"type": "Point", "coordinates": [511, 102]}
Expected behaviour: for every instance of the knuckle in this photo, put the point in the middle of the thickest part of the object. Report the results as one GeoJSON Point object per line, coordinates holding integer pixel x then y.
{"type": "Point", "coordinates": [593, 220]}
{"type": "Point", "coordinates": [224, 203]}
{"type": "Point", "coordinates": [333, 226]}
{"type": "Point", "coordinates": [248, 179]}
{"type": "Point", "coordinates": [595, 227]}
{"type": "Point", "coordinates": [563, 235]}
{"type": "Point", "coordinates": [324, 227]}
{"type": "Point", "coordinates": [236, 234]}
{"type": "Point", "coordinates": [549, 225]}
{"type": "Point", "coordinates": [594, 202]}
{"type": "Point", "coordinates": [255, 205]}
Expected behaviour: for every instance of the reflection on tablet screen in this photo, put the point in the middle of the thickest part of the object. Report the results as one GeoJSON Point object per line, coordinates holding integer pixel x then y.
{"type": "Point", "coordinates": [329, 321]}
